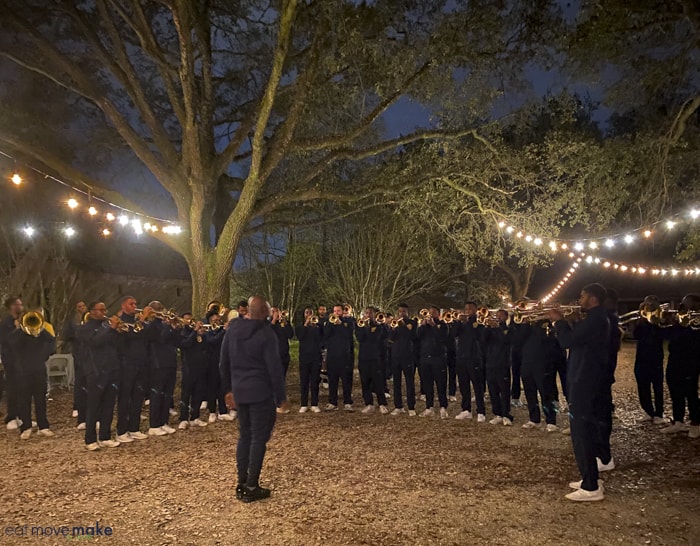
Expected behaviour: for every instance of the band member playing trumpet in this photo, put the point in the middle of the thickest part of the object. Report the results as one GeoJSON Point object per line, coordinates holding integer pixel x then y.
{"type": "Point", "coordinates": [215, 392]}
{"type": "Point", "coordinates": [337, 336]}
{"type": "Point", "coordinates": [15, 308]}
{"type": "Point", "coordinates": [588, 385]}
{"type": "Point", "coordinates": [309, 335]}
{"type": "Point", "coordinates": [100, 338]}
{"type": "Point", "coordinates": [284, 332]}
{"type": "Point", "coordinates": [370, 336]}
{"type": "Point", "coordinates": [195, 360]}
{"type": "Point", "coordinates": [432, 336]}
{"type": "Point", "coordinates": [469, 335]}
{"type": "Point", "coordinates": [134, 354]}
{"type": "Point", "coordinates": [682, 371]}
{"type": "Point", "coordinates": [497, 340]}
{"type": "Point", "coordinates": [649, 364]}
{"type": "Point", "coordinates": [31, 345]}
{"type": "Point", "coordinates": [402, 355]}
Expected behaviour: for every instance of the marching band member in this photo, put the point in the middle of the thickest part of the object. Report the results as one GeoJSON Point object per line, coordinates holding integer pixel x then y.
{"type": "Point", "coordinates": [134, 354]}
{"type": "Point", "coordinates": [70, 342]}
{"type": "Point", "coordinates": [402, 357]}
{"type": "Point", "coordinates": [309, 335]}
{"type": "Point", "coordinates": [451, 358]}
{"type": "Point", "coordinates": [337, 336]}
{"type": "Point", "coordinates": [284, 332]}
{"type": "Point", "coordinates": [649, 365]}
{"type": "Point", "coordinates": [164, 340]}
{"type": "Point", "coordinates": [195, 361]}
{"type": "Point", "coordinates": [322, 313]}
{"type": "Point", "coordinates": [588, 384]}
{"type": "Point", "coordinates": [682, 371]}
{"type": "Point", "coordinates": [370, 337]}
{"type": "Point", "coordinates": [32, 348]}
{"type": "Point", "coordinates": [242, 309]}
{"type": "Point", "coordinates": [469, 362]}
{"type": "Point", "coordinates": [215, 392]}
{"type": "Point", "coordinates": [7, 326]}
{"type": "Point", "coordinates": [432, 335]}
{"type": "Point", "coordinates": [100, 339]}
{"type": "Point", "coordinates": [497, 340]}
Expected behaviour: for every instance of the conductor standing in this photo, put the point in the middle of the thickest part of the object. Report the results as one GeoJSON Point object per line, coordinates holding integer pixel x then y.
{"type": "Point", "coordinates": [253, 380]}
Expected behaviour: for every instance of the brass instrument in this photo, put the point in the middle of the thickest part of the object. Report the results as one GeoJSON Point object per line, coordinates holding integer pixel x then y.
{"type": "Point", "coordinates": [334, 319]}
{"type": "Point", "coordinates": [313, 319]}
{"type": "Point", "coordinates": [448, 317]}
{"type": "Point", "coordinates": [424, 314]}
{"type": "Point", "coordinates": [347, 309]}
{"type": "Point", "coordinates": [361, 323]}
{"type": "Point", "coordinates": [485, 316]}
{"type": "Point", "coordinates": [86, 317]}
{"type": "Point", "coordinates": [380, 318]}
{"type": "Point", "coordinates": [130, 326]}
{"type": "Point", "coordinates": [32, 323]}
{"type": "Point", "coordinates": [212, 327]}
{"type": "Point", "coordinates": [535, 314]}
{"type": "Point", "coordinates": [395, 323]}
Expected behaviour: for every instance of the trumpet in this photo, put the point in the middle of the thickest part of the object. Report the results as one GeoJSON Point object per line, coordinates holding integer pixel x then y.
{"type": "Point", "coordinates": [334, 319]}
{"type": "Point", "coordinates": [32, 323]}
{"type": "Point", "coordinates": [361, 323]}
{"type": "Point", "coordinates": [130, 326]}
{"type": "Point", "coordinates": [424, 314]}
{"type": "Point", "coordinates": [395, 323]}
{"type": "Point", "coordinates": [212, 327]}
{"type": "Point", "coordinates": [313, 319]}
{"type": "Point", "coordinates": [380, 318]}
{"type": "Point", "coordinates": [347, 309]}
{"type": "Point", "coordinates": [485, 316]}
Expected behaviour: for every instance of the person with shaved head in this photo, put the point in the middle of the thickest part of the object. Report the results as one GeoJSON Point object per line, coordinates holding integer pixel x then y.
{"type": "Point", "coordinates": [253, 380]}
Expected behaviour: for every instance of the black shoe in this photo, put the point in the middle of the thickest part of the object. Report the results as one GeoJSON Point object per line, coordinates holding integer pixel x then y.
{"type": "Point", "coordinates": [255, 494]}
{"type": "Point", "coordinates": [239, 490]}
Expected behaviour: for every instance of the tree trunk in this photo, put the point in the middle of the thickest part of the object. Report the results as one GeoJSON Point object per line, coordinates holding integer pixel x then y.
{"type": "Point", "coordinates": [210, 281]}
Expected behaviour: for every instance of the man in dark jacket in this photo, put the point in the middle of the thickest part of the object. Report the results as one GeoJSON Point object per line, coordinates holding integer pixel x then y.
{"type": "Point", "coordinates": [401, 341]}
{"type": "Point", "coordinates": [469, 335]}
{"type": "Point", "coordinates": [253, 379]}
{"type": "Point", "coordinates": [588, 383]}
{"type": "Point", "coordinates": [432, 336]}
{"type": "Point", "coordinates": [14, 308]}
{"type": "Point", "coordinates": [71, 345]}
{"type": "Point", "coordinates": [370, 336]}
{"type": "Point", "coordinates": [310, 338]}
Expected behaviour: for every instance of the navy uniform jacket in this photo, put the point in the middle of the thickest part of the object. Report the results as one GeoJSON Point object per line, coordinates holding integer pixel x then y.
{"type": "Point", "coordinates": [69, 335]}
{"type": "Point", "coordinates": [371, 339]}
{"type": "Point", "coordinates": [469, 336]}
{"type": "Point", "coordinates": [587, 377]}
{"type": "Point", "coordinates": [32, 352]}
{"type": "Point", "coordinates": [539, 349]}
{"type": "Point", "coordinates": [194, 351]}
{"type": "Point", "coordinates": [134, 348]}
{"type": "Point", "coordinates": [650, 344]}
{"type": "Point", "coordinates": [284, 334]}
{"type": "Point", "coordinates": [7, 327]}
{"type": "Point", "coordinates": [310, 339]}
{"type": "Point", "coordinates": [498, 341]}
{"type": "Point", "coordinates": [164, 341]}
{"type": "Point", "coordinates": [433, 339]}
{"type": "Point", "coordinates": [683, 348]}
{"type": "Point", "coordinates": [101, 346]}
{"type": "Point", "coordinates": [401, 341]}
{"type": "Point", "coordinates": [338, 339]}
{"type": "Point", "coordinates": [214, 341]}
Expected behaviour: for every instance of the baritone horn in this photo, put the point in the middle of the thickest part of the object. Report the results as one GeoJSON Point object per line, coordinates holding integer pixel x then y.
{"type": "Point", "coordinates": [32, 323]}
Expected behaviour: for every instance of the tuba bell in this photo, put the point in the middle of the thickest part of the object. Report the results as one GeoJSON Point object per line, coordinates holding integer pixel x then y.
{"type": "Point", "coordinates": [32, 323]}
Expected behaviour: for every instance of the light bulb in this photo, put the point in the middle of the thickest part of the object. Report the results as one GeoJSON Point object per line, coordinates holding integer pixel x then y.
{"type": "Point", "coordinates": [72, 203]}
{"type": "Point", "coordinates": [647, 233]}
{"type": "Point", "coordinates": [670, 224]}
{"type": "Point", "coordinates": [593, 245]}
{"type": "Point", "coordinates": [69, 231]}
{"type": "Point", "coordinates": [110, 217]}
{"type": "Point", "coordinates": [28, 231]}
{"type": "Point", "coordinates": [537, 241]}
{"type": "Point", "coordinates": [106, 232]}
{"type": "Point", "coordinates": [123, 219]}
{"type": "Point", "coordinates": [629, 239]}
{"type": "Point", "coordinates": [92, 211]}
{"type": "Point", "coordinates": [610, 243]}
{"type": "Point", "coordinates": [16, 179]}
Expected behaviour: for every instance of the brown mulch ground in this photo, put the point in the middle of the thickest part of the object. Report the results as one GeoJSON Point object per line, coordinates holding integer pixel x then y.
{"type": "Point", "coordinates": [357, 479]}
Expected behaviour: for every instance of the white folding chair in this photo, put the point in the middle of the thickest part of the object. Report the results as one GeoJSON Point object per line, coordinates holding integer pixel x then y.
{"type": "Point", "coordinates": [59, 369]}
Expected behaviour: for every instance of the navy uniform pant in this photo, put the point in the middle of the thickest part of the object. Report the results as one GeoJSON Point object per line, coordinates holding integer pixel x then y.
{"type": "Point", "coordinates": [470, 372]}
{"type": "Point", "coordinates": [372, 379]}
{"type": "Point", "coordinates": [12, 389]}
{"type": "Point", "coordinates": [80, 393]}
{"type": "Point", "coordinates": [192, 390]}
{"type": "Point", "coordinates": [682, 379]}
{"type": "Point", "coordinates": [434, 374]}
{"type": "Point", "coordinates": [498, 381]}
{"type": "Point", "coordinates": [101, 395]}
{"type": "Point", "coordinates": [309, 379]}
{"type": "Point", "coordinates": [132, 393]}
{"type": "Point", "coordinates": [585, 438]}
{"type": "Point", "coordinates": [406, 367]}
{"type": "Point", "coordinates": [161, 395]}
{"type": "Point", "coordinates": [32, 387]}
{"type": "Point", "coordinates": [539, 381]}
{"type": "Point", "coordinates": [255, 424]}
{"type": "Point", "coordinates": [650, 377]}
{"type": "Point", "coordinates": [339, 369]}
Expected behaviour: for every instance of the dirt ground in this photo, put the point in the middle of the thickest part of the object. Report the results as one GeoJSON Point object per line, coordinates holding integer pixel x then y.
{"type": "Point", "coordinates": [341, 478]}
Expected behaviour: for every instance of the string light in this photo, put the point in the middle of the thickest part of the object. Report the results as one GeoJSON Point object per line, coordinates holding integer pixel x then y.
{"type": "Point", "coordinates": [110, 217]}
{"type": "Point", "coordinates": [72, 203]}
{"type": "Point", "coordinates": [92, 211]}
{"type": "Point", "coordinates": [28, 231]}
{"type": "Point", "coordinates": [16, 179]}
{"type": "Point", "coordinates": [124, 220]}
{"type": "Point", "coordinates": [69, 231]}
{"type": "Point", "coordinates": [673, 270]}
{"type": "Point", "coordinates": [106, 232]}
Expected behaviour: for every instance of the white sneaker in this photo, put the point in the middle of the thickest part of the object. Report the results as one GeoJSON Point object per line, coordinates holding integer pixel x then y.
{"type": "Point", "coordinates": [496, 420]}
{"type": "Point", "coordinates": [693, 431]}
{"type": "Point", "coordinates": [411, 413]}
{"type": "Point", "coordinates": [278, 410]}
{"type": "Point", "coordinates": [480, 418]}
{"type": "Point", "coordinates": [212, 418]}
{"type": "Point", "coordinates": [331, 407]}
{"type": "Point", "coordinates": [13, 424]}
{"type": "Point", "coordinates": [659, 421]}
{"type": "Point", "coordinates": [75, 413]}
{"type": "Point", "coordinates": [315, 409]}
{"type": "Point", "coordinates": [124, 438]}
{"type": "Point", "coordinates": [443, 413]}
{"type": "Point", "coordinates": [203, 406]}
{"type": "Point", "coordinates": [324, 385]}
{"type": "Point", "coordinates": [427, 412]}
{"type": "Point", "coordinates": [227, 417]}
{"type": "Point", "coordinates": [199, 422]}
{"type": "Point", "coordinates": [581, 495]}
{"type": "Point", "coordinates": [233, 413]}
{"type": "Point", "coordinates": [156, 431]}
{"type": "Point", "coordinates": [172, 412]}
{"type": "Point", "coordinates": [168, 429]}
{"type": "Point", "coordinates": [26, 434]}
{"type": "Point", "coordinates": [367, 409]}
{"type": "Point", "coordinates": [182, 426]}
{"type": "Point", "coordinates": [531, 424]}
{"type": "Point", "coordinates": [677, 426]}
{"type": "Point", "coordinates": [453, 398]}
{"type": "Point", "coordinates": [577, 485]}
{"type": "Point", "coordinates": [303, 409]}
{"type": "Point", "coordinates": [81, 426]}
{"type": "Point", "coordinates": [605, 467]}
{"type": "Point", "coordinates": [143, 417]}
{"type": "Point", "coordinates": [387, 396]}
{"type": "Point", "coordinates": [463, 415]}
{"type": "Point", "coordinates": [92, 447]}
{"type": "Point", "coordinates": [147, 402]}
{"type": "Point", "coordinates": [552, 428]}
{"type": "Point", "coordinates": [398, 411]}
{"type": "Point", "coordinates": [647, 417]}
{"type": "Point", "coordinates": [46, 432]}
{"type": "Point", "coordinates": [507, 422]}
{"type": "Point", "coordinates": [109, 443]}
{"type": "Point", "coordinates": [348, 407]}
{"type": "Point", "coordinates": [383, 410]}
{"type": "Point", "coordinates": [138, 435]}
